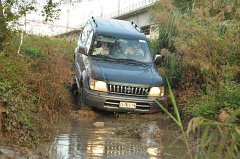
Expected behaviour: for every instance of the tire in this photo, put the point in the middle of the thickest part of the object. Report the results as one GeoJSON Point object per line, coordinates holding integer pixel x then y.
{"type": "Point", "coordinates": [80, 100]}
{"type": "Point", "coordinates": [74, 88]}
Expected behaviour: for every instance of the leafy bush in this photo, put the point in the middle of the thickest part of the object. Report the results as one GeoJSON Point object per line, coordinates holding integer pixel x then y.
{"type": "Point", "coordinates": [32, 52]}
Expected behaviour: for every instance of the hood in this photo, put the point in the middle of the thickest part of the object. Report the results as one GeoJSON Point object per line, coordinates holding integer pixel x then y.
{"type": "Point", "coordinates": [122, 72]}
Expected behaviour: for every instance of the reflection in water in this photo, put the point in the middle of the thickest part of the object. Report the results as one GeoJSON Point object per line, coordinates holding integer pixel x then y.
{"type": "Point", "coordinates": [96, 148]}
{"type": "Point", "coordinates": [153, 151]}
{"type": "Point", "coordinates": [81, 140]}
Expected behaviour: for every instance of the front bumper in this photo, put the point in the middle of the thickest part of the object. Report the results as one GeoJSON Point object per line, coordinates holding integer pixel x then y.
{"type": "Point", "coordinates": [111, 101]}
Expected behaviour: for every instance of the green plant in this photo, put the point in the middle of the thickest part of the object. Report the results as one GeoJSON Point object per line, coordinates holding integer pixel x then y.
{"type": "Point", "coordinates": [204, 106]}
{"type": "Point", "coordinates": [25, 84]}
{"type": "Point", "coordinates": [203, 50]}
{"type": "Point", "coordinates": [215, 139]}
{"type": "Point", "coordinates": [32, 52]}
{"type": "Point", "coordinates": [229, 95]}
{"type": "Point", "coordinates": [176, 118]}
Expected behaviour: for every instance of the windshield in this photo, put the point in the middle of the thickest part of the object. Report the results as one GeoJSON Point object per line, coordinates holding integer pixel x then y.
{"type": "Point", "coordinates": [119, 48]}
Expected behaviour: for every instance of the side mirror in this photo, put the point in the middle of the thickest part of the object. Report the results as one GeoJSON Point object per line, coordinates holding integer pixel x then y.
{"type": "Point", "coordinates": [82, 50]}
{"type": "Point", "coordinates": [158, 59]}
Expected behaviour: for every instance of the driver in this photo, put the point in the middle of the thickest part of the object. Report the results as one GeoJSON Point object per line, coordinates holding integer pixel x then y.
{"type": "Point", "coordinates": [103, 50]}
{"type": "Point", "coordinates": [133, 48]}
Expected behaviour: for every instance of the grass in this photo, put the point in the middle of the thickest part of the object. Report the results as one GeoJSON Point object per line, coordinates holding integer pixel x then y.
{"type": "Point", "coordinates": [214, 139]}
{"type": "Point", "coordinates": [33, 87]}
{"type": "Point", "coordinates": [202, 66]}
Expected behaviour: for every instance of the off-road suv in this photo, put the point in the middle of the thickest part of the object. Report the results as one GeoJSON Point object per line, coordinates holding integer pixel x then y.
{"type": "Point", "coordinates": [114, 68]}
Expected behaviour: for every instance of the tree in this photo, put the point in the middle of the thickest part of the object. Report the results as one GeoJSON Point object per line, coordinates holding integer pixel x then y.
{"type": "Point", "coordinates": [2, 26]}
{"type": "Point", "coordinates": [13, 10]}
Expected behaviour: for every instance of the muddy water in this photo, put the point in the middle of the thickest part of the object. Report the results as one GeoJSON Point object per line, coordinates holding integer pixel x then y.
{"type": "Point", "coordinates": [83, 137]}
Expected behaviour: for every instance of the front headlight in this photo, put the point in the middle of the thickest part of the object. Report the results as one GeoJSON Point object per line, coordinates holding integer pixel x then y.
{"type": "Point", "coordinates": [98, 85]}
{"type": "Point", "coordinates": [156, 91]}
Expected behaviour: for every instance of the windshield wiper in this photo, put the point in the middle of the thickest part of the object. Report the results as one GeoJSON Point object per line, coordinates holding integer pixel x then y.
{"type": "Point", "coordinates": [104, 57]}
{"type": "Point", "coordinates": [131, 61]}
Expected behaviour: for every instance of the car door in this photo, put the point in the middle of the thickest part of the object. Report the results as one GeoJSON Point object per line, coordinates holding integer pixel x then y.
{"type": "Point", "coordinates": [84, 44]}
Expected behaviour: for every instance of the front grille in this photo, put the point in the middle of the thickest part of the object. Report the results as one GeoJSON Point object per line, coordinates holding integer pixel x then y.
{"type": "Point", "coordinates": [128, 90]}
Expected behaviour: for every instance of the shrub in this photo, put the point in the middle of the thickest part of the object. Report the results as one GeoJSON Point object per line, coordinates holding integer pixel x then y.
{"type": "Point", "coordinates": [203, 49]}
{"type": "Point", "coordinates": [229, 95]}
{"type": "Point", "coordinates": [32, 52]}
{"type": "Point", "coordinates": [33, 87]}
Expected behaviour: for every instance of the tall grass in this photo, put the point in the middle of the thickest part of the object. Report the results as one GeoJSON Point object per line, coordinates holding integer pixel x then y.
{"type": "Point", "coordinates": [214, 139]}
{"type": "Point", "coordinates": [176, 118]}
{"type": "Point", "coordinates": [202, 65]}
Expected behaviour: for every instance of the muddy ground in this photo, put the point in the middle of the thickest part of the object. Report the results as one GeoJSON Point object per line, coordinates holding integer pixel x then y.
{"type": "Point", "coordinates": [96, 134]}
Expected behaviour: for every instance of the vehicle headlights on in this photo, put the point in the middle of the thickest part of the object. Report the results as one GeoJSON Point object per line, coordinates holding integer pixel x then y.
{"type": "Point", "coordinates": [156, 91]}
{"type": "Point", "coordinates": [98, 85]}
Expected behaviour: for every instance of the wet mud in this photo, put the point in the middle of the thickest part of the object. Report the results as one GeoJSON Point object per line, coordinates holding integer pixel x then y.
{"type": "Point", "coordinates": [92, 134]}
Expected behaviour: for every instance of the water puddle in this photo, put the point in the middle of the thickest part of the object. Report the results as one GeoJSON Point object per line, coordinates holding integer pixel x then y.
{"type": "Point", "coordinates": [83, 137]}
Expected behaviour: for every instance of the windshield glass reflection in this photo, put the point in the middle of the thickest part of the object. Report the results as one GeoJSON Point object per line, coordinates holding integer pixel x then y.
{"type": "Point", "coordinates": [119, 48]}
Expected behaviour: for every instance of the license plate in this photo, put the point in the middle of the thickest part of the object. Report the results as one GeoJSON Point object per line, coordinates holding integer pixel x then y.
{"type": "Point", "coordinates": [127, 105]}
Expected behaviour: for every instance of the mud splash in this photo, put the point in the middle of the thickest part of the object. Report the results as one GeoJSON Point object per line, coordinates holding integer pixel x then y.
{"type": "Point", "coordinates": [80, 137]}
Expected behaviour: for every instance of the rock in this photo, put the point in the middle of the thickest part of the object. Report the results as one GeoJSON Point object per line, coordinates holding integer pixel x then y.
{"type": "Point", "coordinates": [98, 124]}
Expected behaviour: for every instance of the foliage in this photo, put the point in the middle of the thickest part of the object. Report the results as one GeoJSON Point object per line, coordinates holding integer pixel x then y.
{"type": "Point", "coordinates": [12, 12]}
{"type": "Point", "coordinates": [201, 49]}
{"type": "Point", "coordinates": [176, 118]}
{"type": "Point", "coordinates": [33, 87]}
{"type": "Point", "coordinates": [202, 64]}
{"type": "Point", "coordinates": [50, 11]}
{"type": "Point", "coordinates": [228, 95]}
{"type": "Point", "coordinates": [215, 139]}
{"type": "Point", "coordinates": [32, 52]}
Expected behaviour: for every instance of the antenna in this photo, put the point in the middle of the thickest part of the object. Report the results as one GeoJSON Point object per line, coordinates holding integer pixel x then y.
{"type": "Point", "coordinates": [136, 27]}
{"type": "Point", "coordinates": [94, 21]}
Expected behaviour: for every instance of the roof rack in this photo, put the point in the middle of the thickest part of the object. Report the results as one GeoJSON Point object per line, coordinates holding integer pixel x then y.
{"type": "Point", "coordinates": [136, 27]}
{"type": "Point", "coordinates": [94, 21]}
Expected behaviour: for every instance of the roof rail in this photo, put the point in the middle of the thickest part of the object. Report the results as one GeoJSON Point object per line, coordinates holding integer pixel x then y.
{"type": "Point", "coordinates": [136, 27]}
{"type": "Point", "coordinates": [94, 21]}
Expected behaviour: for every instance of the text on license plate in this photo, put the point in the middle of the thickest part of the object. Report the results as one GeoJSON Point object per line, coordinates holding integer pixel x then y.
{"type": "Point", "coordinates": [127, 105]}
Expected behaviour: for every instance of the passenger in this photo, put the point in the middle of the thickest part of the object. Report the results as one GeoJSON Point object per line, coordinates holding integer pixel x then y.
{"type": "Point", "coordinates": [103, 50]}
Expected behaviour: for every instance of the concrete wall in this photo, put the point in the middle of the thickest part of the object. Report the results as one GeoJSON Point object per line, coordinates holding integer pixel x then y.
{"type": "Point", "coordinates": [141, 19]}
{"type": "Point", "coordinates": [71, 36]}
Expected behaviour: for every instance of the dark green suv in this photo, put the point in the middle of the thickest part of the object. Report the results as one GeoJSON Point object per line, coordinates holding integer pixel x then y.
{"type": "Point", "coordinates": [114, 68]}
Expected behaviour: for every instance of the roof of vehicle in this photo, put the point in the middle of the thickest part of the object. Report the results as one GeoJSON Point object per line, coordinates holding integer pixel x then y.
{"type": "Point", "coordinates": [116, 28]}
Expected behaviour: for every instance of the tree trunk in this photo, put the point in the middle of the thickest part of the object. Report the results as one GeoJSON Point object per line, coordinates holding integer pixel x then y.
{"type": "Point", "coordinates": [3, 29]}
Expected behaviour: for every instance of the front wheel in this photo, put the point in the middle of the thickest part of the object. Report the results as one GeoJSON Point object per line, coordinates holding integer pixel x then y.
{"type": "Point", "coordinates": [80, 104]}
{"type": "Point", "coordinates": [80, 99]}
